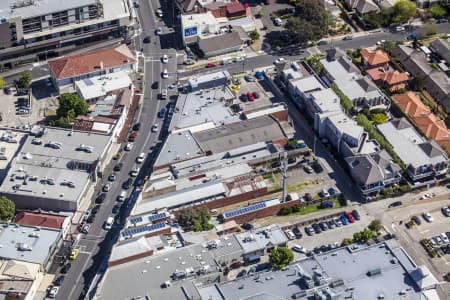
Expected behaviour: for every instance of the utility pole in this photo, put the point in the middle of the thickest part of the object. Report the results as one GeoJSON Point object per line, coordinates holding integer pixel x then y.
{"type": "Point", "coordinates": [284, 175]}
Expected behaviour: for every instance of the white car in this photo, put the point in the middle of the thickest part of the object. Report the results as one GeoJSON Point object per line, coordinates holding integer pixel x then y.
{"type": "Point", "coordinates": [128, 147]}
{"type": "Point", "coordinates": [290, 235]}
{"type": "Point", "coordinates": [135, 172]}
{"type": "Point", "coordinates": [427, 216]}
{"type": "Point", "coordinates": [165, 59]}
{"type": "Point", "coordinates": [445, 238]}
{"type": "Point", "coordinates": [165, 74]}
{"type": "Point", "coordinates": [107, 187]}
{"type": "Point", "coordinates": [277, 22]}
{"type": "Point", "coordinates": [299, 249]}
{"type": "Point", "coordinates": [279, 60]}
{"type": "Point", "coordinates": [155, 128]}
{"type": "Point", "coordinates": [52, 293]}
{"type": "Point", "coordinates": [159, 12]}
{"type": "Point", "coordinates": [159, 31]}
{"type": "Point", "coordinates": [140, 158]}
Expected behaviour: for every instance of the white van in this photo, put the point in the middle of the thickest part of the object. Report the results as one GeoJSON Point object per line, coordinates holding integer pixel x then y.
{"type": "Point", "coordinates": [164, 94]}
{"type": "Point", "coordinates": [108, 223]}
{"type": "Point", "coordinates": [122, 196]}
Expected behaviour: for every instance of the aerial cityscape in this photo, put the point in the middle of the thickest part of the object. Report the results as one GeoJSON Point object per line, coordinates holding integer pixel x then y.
{"type": "Point", "coordinates": [224, 149]}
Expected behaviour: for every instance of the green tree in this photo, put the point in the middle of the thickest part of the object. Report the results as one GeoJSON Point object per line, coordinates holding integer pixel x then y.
{"type": "Point", "coordinates": [2, 82]}
{"type": "Point", "coordinates": [71, 105]}
{"type": "Point", "coordinates": [373, 18]}
{"type": "Point", "coordinates": [280, 257]}
{"type": "Point", "coordinates": [366, 235]}
{"type": "Point", "coordinates": [357, 236]}
{"type": "Point", "coordinates": [403, 11]}
{"type": "Point", "coordinates": [379, 118]}
{"type": "Point", "coordinates": [437, 10]}
{"type": "Point", "coordinates": [24, 80]}
{"type": "Point", "coordinates": [346, 241]}
{"type": "Point", "coordinates": [254, 35]}
{"type": "Point", "coordinates": [7, 209]}
{"type": "Point", "coordinates": [388, 46]}
{"type": "Point", "coordinates": [416, 83]}
{"type": "Point", "coordinates": [195, 219]}
{"type": "Point", "coordinates": [375, 226]}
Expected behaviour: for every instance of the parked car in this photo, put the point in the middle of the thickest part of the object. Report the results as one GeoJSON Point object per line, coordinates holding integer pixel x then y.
{"type": "Point", "coordinates": [159, 31]}
{"type": "Point", "coordinates": [416, 220]}
{"type": "Point", "coordinates": [211, 65]}
{"type": "Point", "coordinates": [116, 209]}
{"type": "Point", "coordinates": [277, 22]}
{"type": "Point", "coordinates": [299, 249]}
{"type": "Point", "coordinates": [338, 222]}
{"type": "Point", "coordinates": [323, 226]}
{"type": "Point", "coordinates": [155, 85]}
{"type": "Point", "coordinates": [127, 184]}
{"type": "Point", "coordinates": [118, 167]}
{"type": "Point", "coordinates": [256, 95]}
{"type": "Point", "coordinates": [276, 164]}
{"type": "Point", "coordinates": [298, 234]}
{"type": "Point", "coordinates": [309, 230]}
{"type": "Point", "coordinates": [137, 126]}
{"type": "Point", "coordinates": [444, 238]}
{"type": "Point", "coordinates": [135, 171]}
{"type": "Point", "coordinates": [446, 211]}
{"type": "Point", "coordinates": [344, 220]}
{"type": "Point", "coordinates": [86, 228]}
{"type": "Point", "coordinates": [348, 38]}
{"type": "Point", "coordinates": [133, 136]}
{"type": "Point", "coordinates": [350, 217]}
{"type": "Point", "coordinates": [162, 112]}
{"type": "Point", "coordinates": [290, 235]}
{"type": "Point", "coordinates": [356, 215]}
{"type": "Point", "coordinates": [249, 78]}
{"type": "Point", "coordinates": [316, 228]}
{"type": "Point", "coordinates": [308, 197]}
{"type": "Point", "coordinates": [324, 193]}
{"type": "Point", "coordinates": [395, 204]}
{"type": "Point", "coordinates": [165, 74]}
{"type": "Point", "coordinates": [331, 224]}
{"type": "Point", "coordinates": [100, 198]}
{"type": "Point", "coordinates": [242, 273]}
{"type": "Point", "coordinates": [106, 187]}
{"type": "Point", "coordinates": [332, 191]}
{"type": "Point", "coordinates": [326, 204]}
{"type": "Point", "coordinates": [159, 13]}
{"type": "Point", "coordinates": [140, 158]}
{"type": "Point", "coordinates": [308, 169]}
{"type": "Point", "coordinates": [66, 268]}
{"type": "Point", "coordinates": [128, 147]}
{"type": "Point", "coordinates": [146, 40]}
{"type": "Point", "coordinates": [155, 127]}
{"type": "Point", "coordinates": [250, 97]}
{"type": "Point", "coordinates": [428, 217]}
{"type": "Point", "coordinates": [53, 292]}
{"type": "Point", "coordinates": [112, 177]}
{"type": "Point", "coordinates": [58, 281]}
{"type": "Point", "coordinates": [247, 226]}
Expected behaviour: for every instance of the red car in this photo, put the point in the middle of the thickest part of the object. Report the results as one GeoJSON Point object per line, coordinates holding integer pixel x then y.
{"type": "Point", "coordinates": [250, 96]}
{"type": "Point", "coordinates": [350, 217]}
{"type": "Point", "coordinates": [211, 65]}
{"type": "Point", "coordinates": [132, 136]}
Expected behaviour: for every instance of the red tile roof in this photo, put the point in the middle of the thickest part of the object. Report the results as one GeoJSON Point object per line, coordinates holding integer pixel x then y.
{"type": "Point", "coordinates": [374, 58]}
{"type": "Point", "coordinates": [71, 66]}
{"type": "Point", "coordinates": [411, 104]}
{"type": "Point", "coordinates": [36, 219]}
{"type": "Point", "coordinates": [394, 77]}
{"type": "Point", "coordinates": [235, 7]}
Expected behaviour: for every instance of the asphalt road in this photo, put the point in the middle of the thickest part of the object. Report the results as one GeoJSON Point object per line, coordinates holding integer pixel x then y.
{"type": "Point", "coordinates": [95, 247]}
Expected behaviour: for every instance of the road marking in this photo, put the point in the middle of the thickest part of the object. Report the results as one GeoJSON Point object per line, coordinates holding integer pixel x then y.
{"type": "Point", "coordinates": [85, 252]}
{"type": "Point", "coordinates": [424, 231]}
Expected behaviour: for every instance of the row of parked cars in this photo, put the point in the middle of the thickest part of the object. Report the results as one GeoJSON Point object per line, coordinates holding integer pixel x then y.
{"type": "Point", "coordinates": [443, 239]}
{"type": "Point", "coordinates": [345, 219]}
{"type": "Point", "coordinates": [23, 106]}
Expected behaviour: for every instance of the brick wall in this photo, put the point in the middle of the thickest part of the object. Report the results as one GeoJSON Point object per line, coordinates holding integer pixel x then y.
{"type": "Point", "coordinates": [130, 258]}
{"type": "Point", "coordinates": [266, 212]}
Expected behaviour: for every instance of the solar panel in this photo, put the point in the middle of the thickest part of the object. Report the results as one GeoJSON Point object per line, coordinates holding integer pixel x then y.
{"type": "Point", "coordinates": [156, 217]}
{"type": "Point", "coordinates": [244, 210]}
{"type": "Point", "coordinates": [136, 220]}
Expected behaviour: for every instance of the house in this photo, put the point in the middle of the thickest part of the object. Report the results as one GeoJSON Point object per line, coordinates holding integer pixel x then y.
{"type": "Point", "coordinates": [299, 88]}
{"type": "Point", "coordinates": [344, 134]}
{"type": "Point", "coordinates": [20, 279]}
{"type": "Point", "coordinates": [67, 70]}
{"type": "Point", "coordinates": [442, 48]}
{"type": "Point", "coordinates": [374, 58]}
{"type": "Point", "coordinates": [424, 160]}
{"type": "Point", "coordinates": [394, 80]}
{"type": "Point", "coordinates": [339, 69]}
{"type": "Point", "coordinates": [431, 126]}
{"type": "Point", "coordinates": [417, 64]}
{"type": "Point", "coordinates": [362, 6]}
{"type": "Point", "coordinates": [235, 9]}
{"type": "Point", "coordinates": [373, 172]}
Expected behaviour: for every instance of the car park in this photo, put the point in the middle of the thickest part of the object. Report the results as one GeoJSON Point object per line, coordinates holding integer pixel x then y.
{"type": "Point", "coordinates": [416, 220]}
{"type": "Point", "coordinates": [428, 217]}
{"type": "Point", "coordinates": [66, 268]}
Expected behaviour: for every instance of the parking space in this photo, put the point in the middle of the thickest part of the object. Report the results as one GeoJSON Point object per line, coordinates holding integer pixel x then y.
{"type": "Point", "coordinates": [252, 96]}
{"type": "Point", "coordinates": [21, 110]}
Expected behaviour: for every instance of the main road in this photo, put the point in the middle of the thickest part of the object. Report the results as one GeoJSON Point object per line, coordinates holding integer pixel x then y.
{"type": "Point", "coordinates": [95, 247]}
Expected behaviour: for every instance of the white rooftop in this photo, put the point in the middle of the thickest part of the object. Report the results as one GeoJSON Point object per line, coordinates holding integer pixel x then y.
{"type": "Point", "coordinates": [99, 86]}
{"type": "Point", "coordinates": [258, 239]}
{"type": "Point", "coordinates": [346, 125]}
{"type": "Point", "coordinates": [307, 84]}
{"type": "Point", "coordinates": [198, 19]}
{"type": "Point", "coordinates": [326, 100]}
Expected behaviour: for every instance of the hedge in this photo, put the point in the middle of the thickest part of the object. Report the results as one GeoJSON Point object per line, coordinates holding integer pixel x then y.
{"type": "Point", "coordinates": [346, 103]}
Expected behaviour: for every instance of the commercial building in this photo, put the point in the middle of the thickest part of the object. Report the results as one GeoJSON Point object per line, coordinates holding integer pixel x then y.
{"type": "Point", "coordinates": [359, 89]}
{"type": "Point", "coordinates": [209, 80]}
{"type": "Point", "coordinates": [20, 280]}
{"type": "Point", "coordinates": [56, 169]}
{"type": "Point", "coordinates": [31, 244]}
{"type": "Point", "coordinates": [95, 88]}
{"type": "Point", "coordinates": [33, 30]}
{"type": "Point", "coordinates": [45, 220]}
{"type": "Point", "coordinates": [66, 71]}
{"type": "Point", "coordinates": [424, 160]}
{"type": "Point", "coordinates": [10, 144]}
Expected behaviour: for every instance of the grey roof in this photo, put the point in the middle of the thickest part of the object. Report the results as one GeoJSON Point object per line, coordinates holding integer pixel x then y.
{"type": "Point", "coordinates": [220, 42]}
{"type": "Point", "coordinates": [410, 145]}
{"type": "Point", "coordinates": [178, 147]}
{"type": "Point", "coordinates": [40, 7]}
{"type": "Point", "coordinates": [235, 135]}
{"type": "Point", "coordinates": [351, 267]}
{"type": "Point", "coordinates": [40, 243]}
{"type": "Point", "coordinates": [44, 162]}
{"type": "Point", "coordinates": [346, 125]}
{"type": "Point", "coordinates": [182, 197]}
{"type": "Point", "coordinates": [201, 108]}
{"type": "Point", "coordinates": [258, 239]}
{"type": "Point", "coordinates": [144, 277]}
{"type": "Point", "coordinates": [326, 100]}
{"type": "Point", "coordinates": [307, 84]}
{"type": "Point", "coordinates": [442, 47]}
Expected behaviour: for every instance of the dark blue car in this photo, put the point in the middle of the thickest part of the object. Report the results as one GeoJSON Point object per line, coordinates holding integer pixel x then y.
{"type": "Point", "coordinates": [332, 191]}
{"type": "Point", "coordinates": [344, 220]}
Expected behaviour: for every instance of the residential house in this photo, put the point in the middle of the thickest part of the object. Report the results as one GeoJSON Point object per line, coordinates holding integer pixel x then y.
{"type": "Point", "coordinates": [390, 79]}
{"type": "Point", "coordinates": [67, 70]}
{"type": "Point", "coordinates": [430, 125]}
{"type": "Point", "coordinates": [235, 9]}
{"type": "Point", "coordinates": [442, 48]}
{"type": "Point", "coordinates": [374, 58]}
{"type": "Point", "coordinates": [300, 88]}
{"type": "Point", "coordinates": [362, 6]}
{"type": "Point", "coordinates": [424, 160]}
{"type": "Point", "coordinates": [344, 134]}
{"type": "Point", "coordinates": [417, 64]}
{"type": "Point", "coordinates": [373, 172]}
{"type": "Point", "coordinates": [21, 280]}
{"type": "Point", "coordinates": [363, 93]}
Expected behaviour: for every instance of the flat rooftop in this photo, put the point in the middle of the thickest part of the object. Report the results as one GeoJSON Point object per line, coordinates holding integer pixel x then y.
{"type": "Point", "coordinates": [346, 125]}
{"type": "Point", "coordinates": [37, 163]}
{"type": "Point", "coordinates": [10, 144]}
{"type": "Point", "coordinates": [326, 100]}
{"type": "Point", "coordinates": [341, 264]}
{"type": "Point", "coordinates": [307, 84]}
{"type": "Point", "coordinates": [99, 86]}
{"type": "Point", "coordinates": [30, 244]}
{"type": "Point", "coordinates": [201, 110]}
{"type": "Point", "coordinates": [236, 135]}
{"type": "Point", "coordinates": [39, 7]}
{"type": "Point", "coordinates": [179, 146]}
{"type": "Point", "coordinates": [144, 277]}
{"type": "Point", "coordinates": [258, 239]}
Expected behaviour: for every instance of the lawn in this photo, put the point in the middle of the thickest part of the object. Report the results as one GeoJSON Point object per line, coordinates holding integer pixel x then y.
{"type": "Point", "coordinates": [308, 209]}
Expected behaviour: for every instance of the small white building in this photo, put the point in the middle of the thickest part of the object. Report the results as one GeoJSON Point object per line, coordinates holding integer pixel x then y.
{"type": "Point", "coordinates": [92, 89]}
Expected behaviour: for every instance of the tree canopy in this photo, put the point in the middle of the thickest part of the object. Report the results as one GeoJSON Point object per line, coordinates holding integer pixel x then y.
{"type": "Point", "coordinates": [195, 219]}
{"type": "Point", "coordinates": [437, 10]}
{"type": "Point", "coordinates": [280, 257]}
{"type": "Point", "coordinates": [375, 226]}
{"type": "Point", "coordinates": [7, 209]}
{"type": "Point", "coordinates": [70, 106]}
{"type": "Point", "coordinates": [24, 80]}
{"type": "Point", "coordinates": [310, 21]}
{"type": "Point", "coordinates": [403, 11]}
